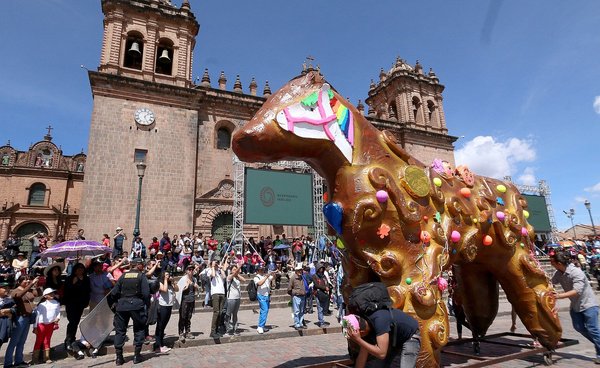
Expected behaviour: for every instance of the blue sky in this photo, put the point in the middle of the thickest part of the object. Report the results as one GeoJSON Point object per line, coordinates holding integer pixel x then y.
{"type": "Point", "coordinates": [521, 77]}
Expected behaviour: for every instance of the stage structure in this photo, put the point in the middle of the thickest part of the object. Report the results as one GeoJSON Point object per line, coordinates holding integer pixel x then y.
{"type": "Point", "coordinates": [541, 190]}
{"type": "Point", "coordinates": [239, 169]}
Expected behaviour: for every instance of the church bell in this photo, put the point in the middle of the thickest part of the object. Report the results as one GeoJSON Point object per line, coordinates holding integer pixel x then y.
{"type": "Point", "coordinates": [134, 50]}
{"type": "Point", "coordinates": [164, 57]}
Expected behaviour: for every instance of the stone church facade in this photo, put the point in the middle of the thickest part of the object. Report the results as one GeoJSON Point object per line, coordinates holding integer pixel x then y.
{"type": "Point", "coordinates": [40, 191]}
{"type": "Point", "coordinates": [146, 108]}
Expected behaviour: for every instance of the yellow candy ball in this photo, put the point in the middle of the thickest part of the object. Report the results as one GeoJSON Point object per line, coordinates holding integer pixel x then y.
{"type": "Point", "coordinates": [437, 182]}
{"type": "Point", "coordinates": [526, 214]}
{"type": "Point", "coordinates": [501, 188]}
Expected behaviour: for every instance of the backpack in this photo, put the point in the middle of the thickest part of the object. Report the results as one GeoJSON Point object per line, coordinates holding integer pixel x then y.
{"type": "Point", "coordinates": [368, 298]}
{"type": "Point", "coordinates": [252, 291]}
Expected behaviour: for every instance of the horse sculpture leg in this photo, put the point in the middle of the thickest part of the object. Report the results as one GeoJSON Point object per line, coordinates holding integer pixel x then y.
{"type": "Point", "coordinates": [528, 290]}
{"type": "Point", "coordinates": [477, 285]}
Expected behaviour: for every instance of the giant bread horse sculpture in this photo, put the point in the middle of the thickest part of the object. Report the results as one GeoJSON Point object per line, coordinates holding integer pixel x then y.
{"type": "Point", "coordinates": [402, 222]}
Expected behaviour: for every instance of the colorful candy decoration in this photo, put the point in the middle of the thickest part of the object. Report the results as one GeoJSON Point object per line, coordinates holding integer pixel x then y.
{"type": "Point", "coordinates": [448, 170]}
{"type": "Point", "coordinates": [524, 231]}
{"type": "Point", "coordinates": [442, 284]}
{"type": "Point", "coordinates": [438, 217]}
{"type": "Point", "coordinates": [383, 231]}
{"type": "Point", "coordinates": [465, 174]}
{"type": "Point", "coordinates": [326, 197]}
{"type": "Point", "coordinates": [437, 166]}
{"type": "Point", "coordinates": [455, 236]}
{"type": "Point", "coordinates": [501, 188]}
{"type": "Point", "coordinates": [340, 244]}
{"type": "Point", "coordinates": [408, 281]}
{"type": "Point", "coordinates": [500, 201]}
{"type": "Point", "coordinates": [487, 240]}
{"type": "Point", "coordinates": [425, 236]}
{"type": "Point", "coordinates": [382, 196]}
{"type": "Point", "coordinates": [437, 182]}
{"type": "Point", "coordinates": [415, 181]}
{"type": "Point", "coordinates": [500, 215]}
{"type": "Point", "coordinates": [475, 220]}
{"type": "Point", "coordinates": [526, 214]}
{"type": "Point", "coordinates": [333, 214]}
{"type": "Point", "coordinates": [425, 218]}
{"type": "Point", "coordinates": [465, 192]}
{"type": "Point", "coordinates": [453, 251]}
{"type": "Point", "coordinates": [522, 245]}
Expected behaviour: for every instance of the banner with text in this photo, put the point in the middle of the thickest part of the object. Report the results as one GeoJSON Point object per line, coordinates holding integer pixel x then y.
{"type": "Point", "coordinates": [278, 198]}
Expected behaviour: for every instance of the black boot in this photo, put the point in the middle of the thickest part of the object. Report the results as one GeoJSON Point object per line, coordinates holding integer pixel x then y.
{"type": "Point", "coordinates": [120, 360]}
{"type": "Point", "coordinates": [137, 358]}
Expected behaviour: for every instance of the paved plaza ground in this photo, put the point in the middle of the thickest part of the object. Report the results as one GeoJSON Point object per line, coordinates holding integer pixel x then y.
{"type": "Point", "coordinates": [284, 347]}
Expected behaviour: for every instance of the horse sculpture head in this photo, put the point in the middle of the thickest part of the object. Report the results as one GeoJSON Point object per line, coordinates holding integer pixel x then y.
{"type": "Point", "coordinates": [305, 120]}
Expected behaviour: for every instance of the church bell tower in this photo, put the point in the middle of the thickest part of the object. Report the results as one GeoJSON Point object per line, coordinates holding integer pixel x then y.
{"type": "Point", "coordinates": [149, 39]}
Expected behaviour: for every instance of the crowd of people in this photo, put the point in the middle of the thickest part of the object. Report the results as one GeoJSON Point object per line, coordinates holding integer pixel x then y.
{"type": "Point", "coordinates": [33, 289]}
{"type": "Point", "coordinates": [145, 282]}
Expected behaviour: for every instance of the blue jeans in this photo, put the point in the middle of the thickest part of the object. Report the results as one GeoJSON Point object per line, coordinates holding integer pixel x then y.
{"type": "Point", "coordinates": [320, 310]}
{"type": "Point", "coordinates": [586, 323]}
{"type": "Point", "coordinates": [264, 302]}
{"type": "Point", "coordinates": [298, 303]}
{"type": "Point", "coordinates": [17, 342]}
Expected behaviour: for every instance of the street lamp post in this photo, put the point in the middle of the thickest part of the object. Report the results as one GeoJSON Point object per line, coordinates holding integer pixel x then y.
{"type": "Point", "coordinates": [588, 206]}
{"type": "Point", "coordinates": [570, 215]}
{"type": "Point", "coordinates": [141, 169]}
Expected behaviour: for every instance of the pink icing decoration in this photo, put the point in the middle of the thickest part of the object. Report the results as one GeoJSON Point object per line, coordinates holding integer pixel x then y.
{"type": "Point", "coordinates": [323, 121]}
{"type": "Point", "coordinates": [524, 231]}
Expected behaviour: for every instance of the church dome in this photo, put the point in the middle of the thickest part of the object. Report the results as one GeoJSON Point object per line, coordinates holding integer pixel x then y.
{"type": "Point", "coordinates": [400, 64]}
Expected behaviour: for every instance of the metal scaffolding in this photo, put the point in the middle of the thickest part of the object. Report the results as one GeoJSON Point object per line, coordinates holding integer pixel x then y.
{"type": "Point", "coordinates": [296, 166]}
{"type": "Point", "coordinates": [542, 189]}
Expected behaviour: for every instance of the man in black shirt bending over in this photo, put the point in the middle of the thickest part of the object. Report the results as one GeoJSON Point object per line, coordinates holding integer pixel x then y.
{"type": "Point", "coordinates": [388, 338]}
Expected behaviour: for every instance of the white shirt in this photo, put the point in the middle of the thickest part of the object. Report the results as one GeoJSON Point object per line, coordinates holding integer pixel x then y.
{"type": "Point", "coordinates": [216, 283]}
{"type": "Point", "coordinates": [265, 288]}
{"type": "Point", "coordinates": [48, 311]}
{"type": "Point", "coordinates": [166, 298]}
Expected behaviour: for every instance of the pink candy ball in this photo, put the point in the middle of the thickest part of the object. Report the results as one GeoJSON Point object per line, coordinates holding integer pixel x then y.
{"type": "Point", "coordinates": [442, 284]}
{"type": "Point", "coordinates": [500, 215]}
{"type": "Point", "coordinates": [455, 236]}
{"type": "Point", "coordinates": [524, 231]}
{"type": "Point", "coordinates": [382, 196]}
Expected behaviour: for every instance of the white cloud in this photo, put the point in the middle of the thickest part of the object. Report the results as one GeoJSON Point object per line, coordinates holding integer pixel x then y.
{"type": "Point", "coordinates": [593, 189]}
{"type": "Point", "coordinates": [597, 104]}
{"type": "Point", "coordinates": [580, 199]}
{"type": "Point", "coordinates": [528, 177]}
{"type": "Point", "coordinates": [488, 157]}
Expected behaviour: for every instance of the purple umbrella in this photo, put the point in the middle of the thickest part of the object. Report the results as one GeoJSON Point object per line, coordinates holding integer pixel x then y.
{"type": "Point", "coordinates": [76, 249]}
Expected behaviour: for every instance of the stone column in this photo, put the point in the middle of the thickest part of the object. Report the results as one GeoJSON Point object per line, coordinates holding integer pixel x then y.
{"type": "Point", "coordinates": [4, 229]}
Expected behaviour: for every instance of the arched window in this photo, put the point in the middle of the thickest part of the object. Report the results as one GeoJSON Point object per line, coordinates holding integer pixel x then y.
{"type": "Point", "coordinates": [431, 110]}
{"type": "Point", "coordinates": [392, 113]}
{"type": "Point", "coordinates": [134, 51]}
{"type": "Point", "coordinates": [416, 106]}
{"type": "Point", "coordinates": [164, 57]}
{"type": "Point", "coordinates": [37, 195]}
{"type": "Point", "coordinates": [223, 138]}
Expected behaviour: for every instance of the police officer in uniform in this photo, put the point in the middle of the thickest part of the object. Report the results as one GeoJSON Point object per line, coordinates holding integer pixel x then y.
{"type": "Point", "coordinates": [131, 295]}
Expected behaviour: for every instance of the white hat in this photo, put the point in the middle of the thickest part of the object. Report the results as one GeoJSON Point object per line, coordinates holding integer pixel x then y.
{"type": "Point", "coordinates": [298, 267]}
{"type": "Point", "coordinates": [119, 228]}
{"type": "Point", "coordinates": [48, 291]}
